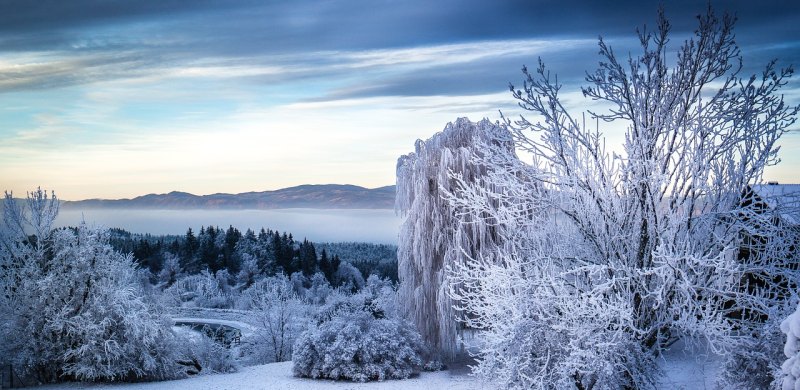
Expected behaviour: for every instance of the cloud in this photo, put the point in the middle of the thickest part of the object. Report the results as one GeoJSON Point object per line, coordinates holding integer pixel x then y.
{"type": "Point", "coordinates": [482, 68]}
{"type": "Point", "coordinates": [86, 41]}
{"type": "Point", "coordinates": [425, 70]}
{"type": "Point", "coordinates": [265, 94]}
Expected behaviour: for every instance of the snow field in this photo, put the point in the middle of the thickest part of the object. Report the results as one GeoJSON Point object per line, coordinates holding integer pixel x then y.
{"type": "Point", "coordinates": [279, 376]}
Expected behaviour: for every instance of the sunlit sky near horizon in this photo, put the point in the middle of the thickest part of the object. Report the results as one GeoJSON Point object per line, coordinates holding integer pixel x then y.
{"type": "Point", "coordinates": [105, 99]}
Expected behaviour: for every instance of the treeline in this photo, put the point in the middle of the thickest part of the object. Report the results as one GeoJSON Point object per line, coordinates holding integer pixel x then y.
{"type": "Point", "coordinates": [268, 252]}
{"type": "Point", "coordinates": [370, 259]}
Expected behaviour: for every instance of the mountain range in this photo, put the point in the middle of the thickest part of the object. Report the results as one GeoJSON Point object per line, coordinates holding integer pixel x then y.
{"type": "Point", "coordinates": [318, 196]}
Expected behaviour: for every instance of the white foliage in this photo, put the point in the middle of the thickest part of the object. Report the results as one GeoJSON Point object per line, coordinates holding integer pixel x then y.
{"type": "Point", "coordinates": [319, 290]}
{"type": "Point", "coordinates": [383, 293]}
{"type": "Point", "coordinates": [603, 259]}
{"type": "Point", "coordinates": [249, 272]}
{"type": "Point", "coordinates": [349, 277]}
{"type": "Point", "coordinates": [279, 315]}
{"type": "Point", "coordinates": [170, 272]}
{"type": "Point", "coordinates": [356, 338]}
{"type": "Point", "coordinates": [199, 354]}
{"type": "Point", "coordinates": [429, 240]}
{"type": "Point", "coordinates": [72, 306]}
{"type": "Point", "coordinates": [200, 290]}
{"type": "Point", "coordinates": [756, 362]}
{"type": "Point", "coordinates": [791, 367]}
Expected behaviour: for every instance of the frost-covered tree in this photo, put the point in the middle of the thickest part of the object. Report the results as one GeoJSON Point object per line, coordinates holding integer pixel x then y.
{"type": "Point", "coordinates": [429, 241]}
{"type": "Point", "coordinates": [249, 272]}
{"type": "Point", "coordinates": [606, 256]}
{"type": "Point", "coordinates": [200, 290]}
{"type": "Point", "coordinates": [170, 272]}
{"type": "Point", "coordinates": [319, 290]}
{"type": "Point", "coordinates": [278, 313]}
{"type": "Point", "coordinates": [348, 277]}
{"type": "Point", "coordinates": [72, 307]}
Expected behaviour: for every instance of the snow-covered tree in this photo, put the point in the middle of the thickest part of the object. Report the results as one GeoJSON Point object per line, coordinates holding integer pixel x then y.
{"type": "Point", "coordinates": [319, 289]}
{"type": "Point", "coordinates": [72, 307]}
{"type": "Point", "coordinates": [249, 272]}
{"type": "Point", "coordinates": [200, 290]}
{"type": "Point", "coordinates": [278, 312]}
{"type": "Point", "coordinates": [171, 271]}
{"type": "Point", "coordinates": [605, 256]}
{"type": "Point", "coordinates": [429, 240]}
{"type": "Point", "coordinates": [349, 277]}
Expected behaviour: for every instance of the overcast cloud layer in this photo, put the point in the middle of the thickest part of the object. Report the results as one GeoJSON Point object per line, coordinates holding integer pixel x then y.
{"type": "Point", "coordinates": [116, 99]}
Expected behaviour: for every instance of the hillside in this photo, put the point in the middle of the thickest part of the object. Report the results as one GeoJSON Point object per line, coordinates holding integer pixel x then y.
{"type": "Point", "coordinates": [323, 196]}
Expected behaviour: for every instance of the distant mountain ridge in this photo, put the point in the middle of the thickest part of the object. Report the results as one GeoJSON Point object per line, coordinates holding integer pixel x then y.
{"type": "Point", "coordinates": [317, 196]}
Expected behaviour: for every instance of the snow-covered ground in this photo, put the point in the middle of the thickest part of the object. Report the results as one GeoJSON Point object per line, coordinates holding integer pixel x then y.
{"type": "Point", "coordinates": [684, 370]}
{"type": "Point", "coordinates": [279, 376]}
{"type": "Point", "coordinates": [688, 370]}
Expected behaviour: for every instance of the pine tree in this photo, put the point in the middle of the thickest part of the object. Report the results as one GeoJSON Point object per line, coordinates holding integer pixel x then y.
{"type": "Point", "coordinates": [231, 262]}
{"type": "Point", "coordinates": [308, 258]}
{"type": "Point", "coordinates": [326, 266]}
{"type": "Point", "coordinates": [335, 264]}
{"type": "Point", "coordinates": [190, 253]}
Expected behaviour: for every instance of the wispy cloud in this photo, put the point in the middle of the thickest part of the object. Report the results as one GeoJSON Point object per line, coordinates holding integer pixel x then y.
{"type": "Point", "coordinates": [114, 99]}
{"type": "Point", "coordinates": [42, 70]}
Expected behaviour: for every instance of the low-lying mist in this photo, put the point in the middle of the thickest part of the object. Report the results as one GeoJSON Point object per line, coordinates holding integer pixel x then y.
{"type": "Point", "coordinates": [319, 225]}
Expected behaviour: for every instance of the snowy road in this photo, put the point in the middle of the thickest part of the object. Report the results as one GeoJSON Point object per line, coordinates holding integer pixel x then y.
{"type": "Point", "coordinates": [279, 376]}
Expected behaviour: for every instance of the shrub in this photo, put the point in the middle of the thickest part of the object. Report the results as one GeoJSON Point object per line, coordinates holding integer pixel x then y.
{"type": "Point", "coordinates": [201, 290]}
{"type": "Point", "coordinates": [358, 338]}
{"type": "Point", "coordinates": [756, 364]}
{"type": "Point", "coordinates": [72, 307]}
{"type": "Point", "coordinates": [356, 345]}
{"type": "Point", "coordinates": [202, 355]}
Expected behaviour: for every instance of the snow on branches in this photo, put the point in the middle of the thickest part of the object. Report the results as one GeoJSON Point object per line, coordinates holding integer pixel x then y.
{"type": "Point", "coordinates": [72, 306]}
{"type": "Point", "coordinates": [428, 242]}
{"type": "Point", "coordinates": [791, 367]}
{"type": "Point", "coordinates": [604, 258]}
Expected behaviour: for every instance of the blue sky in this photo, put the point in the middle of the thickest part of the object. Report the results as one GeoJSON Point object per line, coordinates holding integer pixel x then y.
{"type": "Point", "coordinates": [117, 99]}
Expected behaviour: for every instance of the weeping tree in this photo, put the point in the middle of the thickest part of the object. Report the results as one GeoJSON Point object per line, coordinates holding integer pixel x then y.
{"type": "Point", "coordinates": [606, 256]}
{"type": "Point", "coordinates": [429, 239]}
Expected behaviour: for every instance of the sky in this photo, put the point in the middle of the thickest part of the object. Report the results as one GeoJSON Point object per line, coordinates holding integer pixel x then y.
{"type": "Point", "coordinates": [115, 99]}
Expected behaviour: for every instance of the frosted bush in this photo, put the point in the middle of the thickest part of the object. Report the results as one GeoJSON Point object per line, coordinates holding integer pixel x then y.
{"type": "Point", "coordinates": [200, 290]}
{"type": "Point", "coordinates": [319, 291]}
{"type": "Point", "coordinates": [73, 307]}
{"type": "Point", "coordinates": [359, 347]}
{"type": "Point", "coordinates": [358, 338]}
{"type": "Point", "coordinates": [349, 277]}
{"type": "Point", "coordinates": [202, 355]}
{"type": "Point", "coordinates": [756, 362]}
{"type": "Point", "coordinates": [383, 293]}
{"type": "Point", "coordinates": [170, 272]}
{"type": "Point", "coordinates": [791, 367]}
